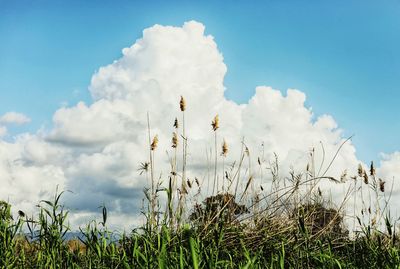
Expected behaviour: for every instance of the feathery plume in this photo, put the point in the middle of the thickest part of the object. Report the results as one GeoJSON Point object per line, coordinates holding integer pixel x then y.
{"type": "Point", "coordinates": [182, 104]}
{"type": "Point", "coordinates": [373, 221]}
{"type": "Point", "coordinates": [372, 169]}
{"type": "Point", "coordinates": [215, 123]}
{"type": "Point", "coordinates": [174, 140]}
{"type": "Point", "coordinates": [176, 124]}
{"type": "Point", "coordinates": [154, 144]}
{"type": "Point", "coordinates": [21, 214]}
{"type": "Point", "coordinates": [381, 185]}
{"type": "Point", "coordinates": [343, 176]}
{"type": "Point", "coordinates": [360, 170]}
{"type": "Point", "coordinates": [224, 148]}
{"type": "Point", "coordinates": [365, 176]}
{"type": "Point", "coordinates": [247, 186]}
{"type": "Point", "coordinates": [144, 167]}
{"type": "Point", "coordinates": [247, 151]}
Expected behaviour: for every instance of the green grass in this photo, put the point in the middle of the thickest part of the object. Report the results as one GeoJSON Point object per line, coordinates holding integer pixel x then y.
{"type": "Point", "coordinates": [291, 225]}
{"type": "Point", "coordinates": [204, 241]}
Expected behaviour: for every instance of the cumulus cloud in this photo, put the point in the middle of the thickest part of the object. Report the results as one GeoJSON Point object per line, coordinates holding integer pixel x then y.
{"type": "Point", "coordinates": [390, 165]}
{"type": "Point", "coordinates": [95, 149]}
{"type": "Point", "coordinates": [3, 131]}
{"type": "Point", "coordinates": [14, 118]}
{"type": "Point", "coordinates": [389, 170]}
{"type": "Point", "coordinates": [24, 183]}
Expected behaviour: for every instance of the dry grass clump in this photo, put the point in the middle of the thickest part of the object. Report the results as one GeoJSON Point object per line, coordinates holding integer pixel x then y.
{"type": "Point", "coordinates": [319, 219]}
{"type": "Point", "coordinates": [76, 246]}
{"type": "Point", "coordinates": [217, 209]}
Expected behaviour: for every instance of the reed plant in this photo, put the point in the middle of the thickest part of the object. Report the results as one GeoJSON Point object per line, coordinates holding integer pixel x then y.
{"type": "Point", "coordinates": [290, 224]}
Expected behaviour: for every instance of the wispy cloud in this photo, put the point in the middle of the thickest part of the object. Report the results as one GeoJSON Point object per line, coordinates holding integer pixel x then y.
{"type": "Point", "coordinates": [14, 118]}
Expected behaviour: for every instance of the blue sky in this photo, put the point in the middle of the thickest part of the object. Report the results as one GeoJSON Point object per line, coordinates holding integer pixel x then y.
{"type": "Point", "coordinates": [343, 54]}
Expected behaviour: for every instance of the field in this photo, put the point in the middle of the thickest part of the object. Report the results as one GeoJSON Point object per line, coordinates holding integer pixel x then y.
{"type": "Point", "coordinates": [290, 225]}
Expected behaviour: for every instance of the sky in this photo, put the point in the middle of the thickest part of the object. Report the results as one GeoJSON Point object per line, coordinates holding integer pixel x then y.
{"type": "Point", "coordinates": [342, 58]}
{"type": "Point", "coordinates": [343, 54]}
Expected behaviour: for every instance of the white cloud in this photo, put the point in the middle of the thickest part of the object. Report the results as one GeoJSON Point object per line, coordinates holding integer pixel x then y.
{"type": "Point", "coordinates": [390, 164]}
{"type": "Point", "coordinates": [14, 118]}
{"type": "Point", "coordinates": [24, 183]}
{"type": "Point", "coordinates": [3, 131]}
{"type": "Point", "coordinates": [389, 170]}
{"type": "Point", "coordinates": [95, 149]}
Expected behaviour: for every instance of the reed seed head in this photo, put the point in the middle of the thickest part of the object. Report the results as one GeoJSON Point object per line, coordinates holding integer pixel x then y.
{"type": "Point", "coordinates": [373, 221]}
{"type": "Point", "coordinates": [247, 151]}
{"type": "Point", "coordinates": [144, 167]}
{"type": "Point", "coordinates": [224, 148]}
{"type": "Point", "coordinates": [174, 140]}
{"type": "Point", "coordinates": [184, 189]}
{"type": "Point", "coordinates": [182, 104]}
{"type": "Point", "coordinates": [372, 169]}
{"type": "Point", "coordinates": [360, 170]}
{"type": "Point", "coordinates": [343, 176]}
{"type": "Point", "coordinates": [154, 143]}
{"type": "Point", "coordinates": [21, 214]}
{"type": "Point", "coordinates": [215, 123]}
{"type": "Point", "coordinates": [381, 185]}
{"type": "Point", "coordinates": [176, 124]}
{"type": "Point", "coordinates": [365, 176]}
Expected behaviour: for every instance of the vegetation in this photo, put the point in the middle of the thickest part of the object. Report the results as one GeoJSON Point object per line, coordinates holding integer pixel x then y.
{"type": "Point", "coordinates": [290, 225]}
